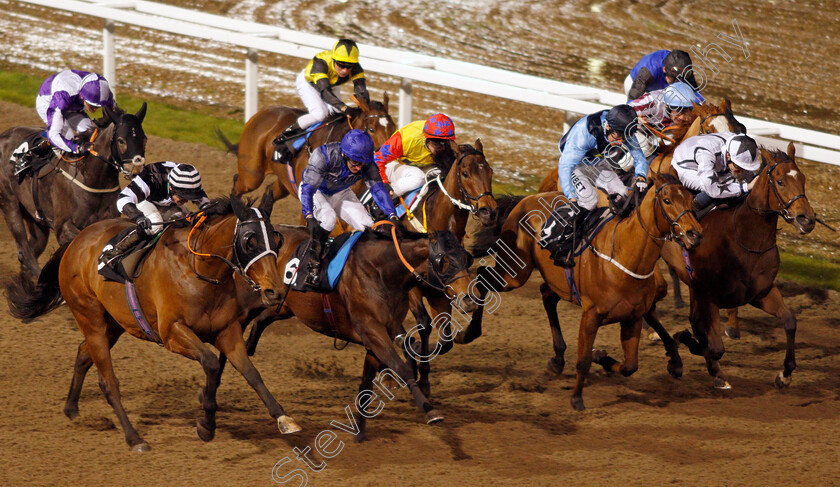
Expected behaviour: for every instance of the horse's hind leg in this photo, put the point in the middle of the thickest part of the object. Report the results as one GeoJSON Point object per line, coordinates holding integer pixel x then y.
{"type": "Point", "coordinates": [372, 365]}
{"type": "Point", "coordinates": [93, 324]}
{"type": "Point", "coordinates": [550, 299]}
{"type": "Point", "coordinates": [675, 279]}
{"type": "Point", "coordinates": [15, 221]}
{"type": "Point", "coordinates": [733, 328]}
{"type": "Point", "coordinates": [80, 369]}
{"type": "Point", "coordinates": [773, 304]}
{"type": "Point", "coordinates": [230, 343]}
{"type": "Point", "coordinates": [38, 235]}
{"type": "Point", "coordinates": [630, 333]}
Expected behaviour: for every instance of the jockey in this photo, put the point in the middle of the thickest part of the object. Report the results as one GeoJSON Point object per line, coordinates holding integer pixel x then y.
{"type": "Point", "coordinates": [62, 102]}
{"type": "Point", "coordinates": [656, 71]}
{"type": "Point", "coordinates": [583, 166]}
{"type": "Point", "coordinates": [718, 165]}
{"type": "Point", "coordinates": [159, 188]}
{"type": "Point", "coordinates": [662, 108]}
{"type": "Point", "coordinates": [325, 193]}
{"type": "Point", "coordinates": [319, 85]}
{"type": "Point", "coordinates": [418, 143]}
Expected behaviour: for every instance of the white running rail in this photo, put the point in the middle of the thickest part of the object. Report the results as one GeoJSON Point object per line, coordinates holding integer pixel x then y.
{"type": "Point", "coordinates": [407, 66]}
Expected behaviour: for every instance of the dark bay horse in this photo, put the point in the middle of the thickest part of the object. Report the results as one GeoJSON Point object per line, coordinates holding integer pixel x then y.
{"type": "Point", "coordinates": [466, 190]}
{"type": "Point", "coordinates": [255, 148]}
{"type": "Point", "coordinates": [738, 260]}
{"type": "Point", "coordinates": [72, 192]}
{"type": "Point", "coordinates": [613, 285]}
{"type": "Point", "coordinates": [371, 299]}
{"type": "Point", "coordinates": [192, 291]}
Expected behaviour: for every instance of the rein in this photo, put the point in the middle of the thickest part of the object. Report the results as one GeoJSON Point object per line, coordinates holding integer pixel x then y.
{"type": "Point", "coordinates": [408, 266]}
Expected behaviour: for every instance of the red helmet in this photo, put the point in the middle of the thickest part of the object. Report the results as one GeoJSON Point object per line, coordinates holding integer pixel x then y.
{"type": "Point", "coordinates": [439, 126]}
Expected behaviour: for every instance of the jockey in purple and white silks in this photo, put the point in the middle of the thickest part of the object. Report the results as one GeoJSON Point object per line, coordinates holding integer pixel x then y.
{"type": "Point", "coordinates": [62, 101]}
{"type": "Point", "coordinates": [717, 165]}
{"type": "Point", "coordinates": [325, 193]}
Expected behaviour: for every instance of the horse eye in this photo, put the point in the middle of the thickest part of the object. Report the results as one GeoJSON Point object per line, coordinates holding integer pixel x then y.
{"type": "Point", "coordinates": [780, 182]}
{"type": "Point", "coordinates": [666, 201]}
{"type": "Point", "coordinates": [465, 174]}
{"type": "Point", "coordinates": [250, 241]}
{"type": "Point", "coordinates": [121, 144]}
{"type": "Point", "coordinates": [372, 129]}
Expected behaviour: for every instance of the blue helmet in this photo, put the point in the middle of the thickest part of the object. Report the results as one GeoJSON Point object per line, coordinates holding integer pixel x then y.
{"type": "Point", "coordinates": [358, 146]}
{"type": "Point", "coordinates": [680, 94]}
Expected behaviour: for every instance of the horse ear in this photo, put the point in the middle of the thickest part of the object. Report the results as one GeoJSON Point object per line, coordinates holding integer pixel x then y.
{"type": "Point", "coordinates": [238, 208]}
{"type": "Point", "coordinates": [656, 178]}
{"type": "Point", "coordinates": [385, 101]}
{"type": "Point", "coordinates": [791, 152]}
{"type": "Point", "coordinates": [725, 105]}
{"type": "Point", "coordinates": [478, 145]}
{"type": "Point", "coordinates": [108, 116]}
{"type": "Point", "coordinates": [267, 203]}
{"type": "Point", "coordinates": [141, 114]}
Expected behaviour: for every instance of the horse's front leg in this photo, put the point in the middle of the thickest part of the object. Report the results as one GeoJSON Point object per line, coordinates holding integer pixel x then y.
{"type": "Point", "coordinates": [773, 304]}
{"type": "Point", "coordinates": [631, 330]}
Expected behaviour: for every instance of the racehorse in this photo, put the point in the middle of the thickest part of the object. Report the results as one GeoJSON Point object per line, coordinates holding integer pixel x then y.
{"type": "Point", "coordinates": [739, 259]}
{"type": "Point", "coordinates": [467, 189]}
{"type": "Point", "coordinates": [256, 146]}
{"type": "Point", "coordinates": [71, 192]}
{"type": "Point", "coordinates": [191, 291]}
{"type": "Point", "coordinates": [385, 270]}
{"type": "Point", "coordinates": [708, 119]}
{"type": "Point", "coordinates": [612, 279]}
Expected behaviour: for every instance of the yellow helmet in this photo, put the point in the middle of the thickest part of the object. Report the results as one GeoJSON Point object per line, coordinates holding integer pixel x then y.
{"type": "Point", "coordinates": [345, 51]}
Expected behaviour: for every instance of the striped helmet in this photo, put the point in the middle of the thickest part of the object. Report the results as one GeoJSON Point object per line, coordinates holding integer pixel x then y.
{"type": "Point", "coordinates": [185, 182]}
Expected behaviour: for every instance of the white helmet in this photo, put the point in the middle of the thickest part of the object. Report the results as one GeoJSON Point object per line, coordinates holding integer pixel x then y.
{"type": "Point", "coordinates": [743, 152]}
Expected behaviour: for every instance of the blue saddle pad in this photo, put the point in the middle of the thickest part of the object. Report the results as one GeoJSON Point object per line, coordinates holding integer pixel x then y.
{"type": "Point", "coordinates": [298, 143]}
{"type": "Point", "coordinates": [336, 265]}
{"type": "Point", "coordinates": [409, 199]}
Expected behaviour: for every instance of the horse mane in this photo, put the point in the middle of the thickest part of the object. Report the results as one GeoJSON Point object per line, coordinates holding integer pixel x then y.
{"type": "Point", "coordinates": [221, 206]}
{"type": "Point", "coordinates": [467, 149]}
{"type": "Point", "coordinates": [669, 178]}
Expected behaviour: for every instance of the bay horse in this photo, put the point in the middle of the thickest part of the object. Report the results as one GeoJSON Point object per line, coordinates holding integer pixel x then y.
{"type": "Point", "coordinates": [73, 191]}
{"type": "Point", "coordinates": [738, 260]}
{"type": "Point", "coordinates": [613, 278]}
{"type": "Point", "coordinates": [193, 290]}
{"type": "Point", "coordinates": [255, 147]}
{"type": "Point", "coordinates": [371, 299]}
{"type": "Point", "coordinates": [467, 189]}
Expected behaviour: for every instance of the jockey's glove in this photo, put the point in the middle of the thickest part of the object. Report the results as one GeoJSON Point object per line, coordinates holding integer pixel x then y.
{"type": "Point", "coordinates": [641, 184]}
{"type": "Point", "coordinates": [144, 223]}
{"type": "Point", "coordinates": [84, 148]}
{"type": "Point", "coordinates": [344, 109]}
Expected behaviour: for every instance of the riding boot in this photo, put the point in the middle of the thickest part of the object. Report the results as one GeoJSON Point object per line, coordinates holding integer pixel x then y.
{"type": "Point", "coordinates": [315, 252]}
{"type": "Point", "coordinates": [40, 153]}
{"type": "Point", "coordinates": [283, 150]}
{"type": "Point", "coordinates": [115, 253]}
{"type": "Point", "coordinates": [702, 205]}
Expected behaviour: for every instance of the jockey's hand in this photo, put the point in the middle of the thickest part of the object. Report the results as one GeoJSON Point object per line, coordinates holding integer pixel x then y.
{"type": "Point", "coordinates": [312, 224]}
{"type": "Point", "coordinates": [398, 226]}
{"type": "Point", "coordinates": [344, 109]}
{"type": "Point", "coordinates": [390, 190]}
{"type": "Point", "coordinates": [641, 184]}
{"type": "Point", "coordinates": [144, 223]}
{"type": "Point", "coordinates": [84, 148]}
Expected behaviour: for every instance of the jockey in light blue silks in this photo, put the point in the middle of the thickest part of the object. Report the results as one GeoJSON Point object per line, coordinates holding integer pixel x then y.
{"type": "Point", "coordinates": [325, 193]}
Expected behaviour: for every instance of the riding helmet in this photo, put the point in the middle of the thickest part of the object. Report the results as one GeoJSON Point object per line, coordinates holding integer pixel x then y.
{"type": "Point", "coordinates": [185, 181]}
{"type": "Point", "coordinates": [95, 90]}
{"type": "Point", "coordinates": [346, 51]}
{"type": "Point", "coordinates": [358, 146]}
{"type": "Point", "coordinates": [675, 62]}
{"type": "Point", "coordinates": [680, 95]}
{"type": "Point", "coordinates": [622, 118]}
{"type": "Point", "coordinates": [743, 152]}
{"type": "Point", "coordinates": [439, 126]}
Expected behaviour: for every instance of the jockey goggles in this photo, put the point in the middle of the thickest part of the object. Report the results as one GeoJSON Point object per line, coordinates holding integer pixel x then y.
{"type": "Point", "coordinates": [343, 65]}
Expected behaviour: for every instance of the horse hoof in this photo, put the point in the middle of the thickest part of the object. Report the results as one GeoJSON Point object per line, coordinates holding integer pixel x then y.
{"type": "Point", "coordinates": [577, 403]}
{"type": "Point", "coordinates": [722, 384]}
{"type": "Point", "coordinates": [360, 438]}
{"type": "Point", "coordinates": [71, 413]}
{"type": "Point", "coordinates": [683, 337]}
{"type": "Point", "coordinates": [433, 417]}
{"type": "Point", "coordinates": [781, 381]}
{"type": "Point", "coordinates": [654, 337]}
{"type": "Point", "coordinates": [206, 434]}
{"type": "Point", "coordinates": [556, 366]}
{"type": "Point", "coordinates": [141, 447]}
{"type": "Point", "coordinates": [598, 356]}
{"type": "Point", "coordinates": [287, 425]}
{"type": "Point", "coordinates": [675, 369]}
{"type": "Point", "coordinates": [733, 333]}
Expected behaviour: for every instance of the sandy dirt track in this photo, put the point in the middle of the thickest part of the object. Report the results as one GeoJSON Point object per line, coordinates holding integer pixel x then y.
{"type": "Point", "coordinates": [507, 422]}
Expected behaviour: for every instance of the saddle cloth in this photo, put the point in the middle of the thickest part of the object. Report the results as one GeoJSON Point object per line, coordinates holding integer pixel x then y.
{"type": "Point", "coordinates": [332, 264]}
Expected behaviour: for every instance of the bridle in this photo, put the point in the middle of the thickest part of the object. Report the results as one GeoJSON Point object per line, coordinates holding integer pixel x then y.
{"type": "Point", "coordinates": [472, 207]}
{"type": "Point", "coordinates": [672, 224]}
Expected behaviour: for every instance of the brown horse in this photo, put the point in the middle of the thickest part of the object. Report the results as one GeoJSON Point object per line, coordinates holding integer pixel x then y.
{"type": "Point", "coordinates": [72, 192]}
{"type": "Point", "coordinates": [256, 147]}
{"type": "Point", "coordinates": [373, 318]}
{"type": "Point", "coordinates": [613, 278]}
{"type": "Point", "coordinates": [739, 259]}
{"type": "Point", "coordinates": [466, 190]}
{"type": "Point", "coordinates": [192, 291]}
{"type": "Point", "coordinates": [707, 118]}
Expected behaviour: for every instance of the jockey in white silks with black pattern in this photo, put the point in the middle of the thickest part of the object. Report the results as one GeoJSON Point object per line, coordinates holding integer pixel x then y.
{"type": "Point", "coordinates": [160, 189]}
{"type": "Point", "coordinates": [718, 165]}
{"type": "Point", "coordinates": [62, 103]}
{"type": "Point", "coordinates": [325, 193]}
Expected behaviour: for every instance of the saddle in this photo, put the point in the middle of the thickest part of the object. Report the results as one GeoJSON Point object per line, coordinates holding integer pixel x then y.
{"type": "Point", "coordinates": [130, 264]}
{"type": "Point", "coordinates": [34, 150]}
{"type": "Point", "coordinates": [566, 238]}
{"type": "Point", "coordinates": [412, 200]}
{"type": "Point", "coordinates": [286, 147]}
{"type": "Point", "coordinates": [332, 263]}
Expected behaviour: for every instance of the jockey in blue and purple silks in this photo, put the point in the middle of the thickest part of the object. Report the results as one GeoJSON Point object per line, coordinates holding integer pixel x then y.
{"type": "Point", "coordinates": [62, 101]}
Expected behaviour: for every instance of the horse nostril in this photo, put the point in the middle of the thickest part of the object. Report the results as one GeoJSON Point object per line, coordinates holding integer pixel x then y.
{"type": "Point", "coordinates": [270, 293]}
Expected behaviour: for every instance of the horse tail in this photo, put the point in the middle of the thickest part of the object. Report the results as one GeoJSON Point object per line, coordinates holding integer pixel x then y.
{"type": "Point", "coordinates": [485, 239]}
{"type": "Point", "coordinates": [28, 301]}
{"type": "Point", "coordinates": [231, 147]}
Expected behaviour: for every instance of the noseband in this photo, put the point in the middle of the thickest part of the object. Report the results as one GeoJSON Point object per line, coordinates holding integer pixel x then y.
{"type": "Point", "coordinates": [473, 207]}
{"type": "Point", "coordinates": [783, 208]}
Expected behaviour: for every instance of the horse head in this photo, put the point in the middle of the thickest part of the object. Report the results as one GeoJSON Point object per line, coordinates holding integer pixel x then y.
{"type": "Point", "coordinates": [785, 189]}
{"type": "Point", "coordinates": [674, 202]}
{"type": "Point", "coordinates": [255, 246]}
{"type": "Point", "coordinates": [449, 267]}
{"type": "Point", "coordinates": [128, 141]}
{"type": "Point", "coordinates": [375, 120]}
{"type": "Point", "coordinates": [717, 119]}
{"type": "Point", "coordinates": [474, 178]}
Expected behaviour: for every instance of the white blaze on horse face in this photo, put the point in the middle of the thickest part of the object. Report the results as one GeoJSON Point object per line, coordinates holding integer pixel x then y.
{"type": "Point", "coordinates": [720, 124]}
{"type": "Point", "coordinates": [792, 173]}
{"type": "Point", "coordinates": [384, 122]}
